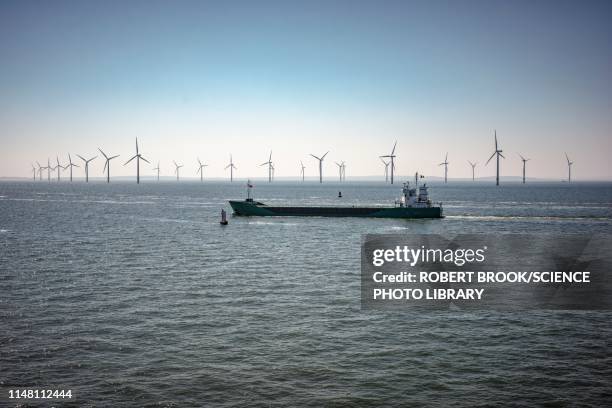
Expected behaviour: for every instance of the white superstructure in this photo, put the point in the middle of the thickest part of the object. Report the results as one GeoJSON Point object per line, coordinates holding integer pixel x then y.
{"type": "Point", "coordinates": [410, 197]}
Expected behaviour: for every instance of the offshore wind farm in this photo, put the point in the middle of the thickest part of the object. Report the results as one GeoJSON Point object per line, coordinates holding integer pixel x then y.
{"type": "Point", "coordinates": [387, 176]}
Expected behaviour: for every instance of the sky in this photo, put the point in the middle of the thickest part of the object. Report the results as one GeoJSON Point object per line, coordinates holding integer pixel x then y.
{"type": "Point", "coordinates": [208, 79]}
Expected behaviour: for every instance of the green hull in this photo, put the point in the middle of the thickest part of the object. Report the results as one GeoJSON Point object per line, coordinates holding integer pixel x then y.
{"type": "Point", "coordinates": [254, 208]}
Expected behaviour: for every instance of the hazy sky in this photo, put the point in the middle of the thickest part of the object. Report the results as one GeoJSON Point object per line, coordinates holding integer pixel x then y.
{"type": "Point", "coordinates": [212, 78]}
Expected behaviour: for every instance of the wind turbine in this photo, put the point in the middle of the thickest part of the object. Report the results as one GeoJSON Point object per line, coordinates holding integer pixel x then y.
{"type": "Point", "coordinates": [49, 169]}
{"type": "Point", "coordinates": [524, 161]}
{"type": "Point", "coordinates": [497, 152]}
{"type": "Point", "coordinates": [320, 159]}
{"type": "Point", "coordinates": [107, 164]}
{"type": "Point", "coordinates": [201, 170]}
{"type": "Point", "coordinates": [33, 171]}
{"type": "Point", "coordinates": [273, 172]}
{"type": "Point", "coordinates": [473, 167]}
{"type": "Point", "coordinates": [138, 158]}
{"type": "Point", "coordinates": [445, 164]}
{"type": "Point", "coordinates": [569, 168]}
{"type": "Point", "coordinates": [157, 168]}
{"type": "Point", "coordinates": [176, 170]}
{"type": "Point", "coordinates": [340, 167]}
{"type": "Point", "coordinates": [270, 167]}
{"type": "Point", "coordinates": [54, 168]}
{"type": "Point", "coordinates": [40, 170]}
{"type": "Point", "coordinates": [59, 168]}
{"type": "Point", "coordinates": [386, 169]}
{"type": "Point", "coordinates": [343, 171]}
{"type": "Point", "coordinates": [71, 165]}
{"type": "Point", "coordinates": [231, 167]}
{"type": "Point", "coordinates": [86, 166]}
{"type": "Point", "coordinates": [392, 157]}
{"type": "Point", "coordinates": [303, 167]}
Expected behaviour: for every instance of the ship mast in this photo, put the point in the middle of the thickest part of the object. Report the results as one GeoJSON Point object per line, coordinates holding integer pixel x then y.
{"type": "Point", "coordinates": [249, 187]}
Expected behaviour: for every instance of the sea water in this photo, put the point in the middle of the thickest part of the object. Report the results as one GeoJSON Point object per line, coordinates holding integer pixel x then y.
{"type": "Point", "coordinates": [134, 295]}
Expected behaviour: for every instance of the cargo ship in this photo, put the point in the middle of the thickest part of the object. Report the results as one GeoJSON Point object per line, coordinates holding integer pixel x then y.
{"type": "Point", "coordinates": [410, 205]}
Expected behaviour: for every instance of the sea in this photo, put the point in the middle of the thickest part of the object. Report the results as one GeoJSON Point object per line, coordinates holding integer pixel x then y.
{"type": "Point", "coordinates": [135, 296]}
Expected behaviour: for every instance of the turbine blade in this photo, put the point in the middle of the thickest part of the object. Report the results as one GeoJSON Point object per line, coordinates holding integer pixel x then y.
{"type": "Point", "coordinates": [142, 158]}
{"type": "Point", "coordinates": [502, 155]}
{"type": "Point", "coordinates": [103, 154]}
{"type": "Point", "coordinates": [130, 160]}
{"type": "Point", "coordinates": [136, 146]}
{"type": "Point", "coordinates": [81, 157]}
{"type": "Point", "coordinates": [324, 155]}
{"type": "Point", "coordinates": [393, 151]}
{"type": "Point", "coordinates": [490, 158]}
{"type": "Point", "coordinates": [315, 156]}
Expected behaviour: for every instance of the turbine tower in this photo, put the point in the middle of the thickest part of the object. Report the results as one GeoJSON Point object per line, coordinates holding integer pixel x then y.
{"type": "Point", "coordinates": [497, 152]}
{"type": "Point", "coordinates": [107, 164]}
{"type": "Point", "coordinates": [200, 170]}
{"type": "Point", "coordinates": [343, 170]}
{"type": "Point", "coordinates": [33, 171]}
{"type": "Point", "coordinates": [176, 170]}
{"type": "Point", "coordinates": [569, 168]}
{"type": "Point", "coordinates": [392, 157]}
{"type": "Point", "coordinates": [49, 169]}
{"type": "Point", "coordinates": [445, 164]}
{"type": "Point", "coordinates": [40, 170]}
{"type": "Point", "coordinates": [157, 168]}
{"type": "Point", "coordinates": [86, 166]}
{"type": "Point", "coordinates": [231, 167]}
{"type": "Point", "coordinates": [320, 159]}
{"type": "Point", "coordinates": [71, 165]}
{"type": "Point", "coordinates": [473, 167]}
{"type": "Point", "coordinates": [53, 168]}
{"type": "Point", "coordinates": [524, 162]}
{"type": "Point", "coordinates": [59, 168]}
{"type": "Point", "coordinates": [138, 158]}
{"type": "Point", "coordinates": [270, 167]}
{"type": "Point", "coordinates": [340, 167]}
{"type": "Point", "coordinates": [386, 169]}
{"type": "Point", "coordinates": [303, 167]}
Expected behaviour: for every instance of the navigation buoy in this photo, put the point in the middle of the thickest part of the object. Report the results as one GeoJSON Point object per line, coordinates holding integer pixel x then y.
{"type": "Point", "coordinates": [223, 217]}
{"type": "Point", "coordinates": [339, 194]}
